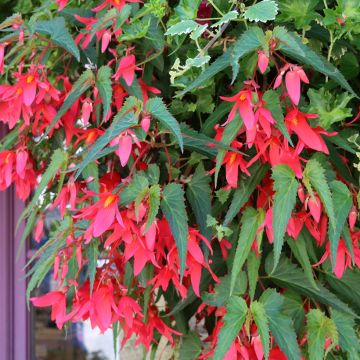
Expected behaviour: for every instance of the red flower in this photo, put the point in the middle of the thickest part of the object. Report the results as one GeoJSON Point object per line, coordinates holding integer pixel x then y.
{"type": "Point", "coordinates": [57, 300]}
{"type": "Point", "coordinates": [293, 78]}
{"type": "Point", "coordinates": [243, 104]}
{"type": "Point", "coordinates": [263, 61]}
{"type": "Point", "coordinates": [126, 69]}
{"type": "Point", "coordinates": [296, 122]}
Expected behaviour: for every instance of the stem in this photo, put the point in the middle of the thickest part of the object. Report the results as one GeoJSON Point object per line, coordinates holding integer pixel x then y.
{"type": "Point", "coordinates": [215, 7]}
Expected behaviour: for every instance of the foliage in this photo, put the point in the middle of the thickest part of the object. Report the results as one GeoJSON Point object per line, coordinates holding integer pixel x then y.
{"type": "Point", "coordinates": [207, 152]}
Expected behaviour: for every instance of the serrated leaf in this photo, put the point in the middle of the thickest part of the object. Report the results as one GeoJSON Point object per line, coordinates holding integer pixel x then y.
{"type": "Point", "coordinates": [173, 207]}
{"type": "Point", "coordinates": [299, 250]}
{"type": "Point", "coordinates": [198, 193]}
{"type": "Point", "coordinates": [262, 11]}
{"type": "Point", "coordinates": [231, 15]}
{"type": "Point", "coordinates": [221, 293]}
{"type": "Point", "coordinates": [280, 325]}
{"type": "Point", "coordinates": [154, 205]}
{"type": "Point", "coordinates": [249, 41]}
{"type": "Point", "coordinates": [57, 159]}
{"type": "Point", "coordinates": [288, 275]}
{"type": "Point", "coordinates": [92, 253]}
{"type": "Point", "coordinates": [315, 174]}
{"type": "Point", "coordinates": [103, 83]}
{"type": "Point", "coordinates": [262, 323]}
{"type": "Point", "coordinates": [59, 34]}
{"type": "Point", "coordinates": [294, 308]}
{"type": "Point", "coordinates": [157, 108]}
{"type": "Point", "coordinates": [122, 121]}
{"type": "Point", "coordinates": [190, 347]}
{"type": "Point", "coordinates": [348, 339]}
{"type": "Point", "coordinates": [82, 84]}
{"type": "Point", "coordinates": [319, 327]}
{"type": "Point", "coordinates": [234, 318]}
{"type": "Point", "coordinates": [253, 265]}
{"type": "Point", "coordinates": [272, 103]}
{"type": "Point", "coordinates": [285, 186]}
{"type": "Point", "coordinates": [292, 46]}
{"type": "Point", "coordinates": [197, 142]}
{"type": "Point", "coordinates": [182, 27]}
{"type": "Point", "coordinates": [249, 226]}
{"type": "Point", "coordinates": [131, 191]}
{"type": "Point", "coordinates": [246, 187]}
{"type": "Point", "coordinates": [342, 200]}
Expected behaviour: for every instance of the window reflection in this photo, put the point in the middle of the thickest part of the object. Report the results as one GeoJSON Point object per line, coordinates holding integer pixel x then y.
{"type": "Point", "coordinates": [78, 341]}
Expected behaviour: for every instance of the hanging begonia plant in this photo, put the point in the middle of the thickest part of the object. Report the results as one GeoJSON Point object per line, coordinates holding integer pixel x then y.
{"type": "Point", "coordinates": [203, 157]}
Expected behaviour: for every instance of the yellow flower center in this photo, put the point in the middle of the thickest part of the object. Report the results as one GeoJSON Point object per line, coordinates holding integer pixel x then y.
{"type": "Point", "coordinates": [19, 91]}
{"type": "Point", "coordinates": [242, 97]}
{"type": "Point", "coordinates": [295, 120]}
{"type": "Point", "coordinates": [232, 158]}
{"type": "Point", "coordinates": [30, 79]}
{"type": "Point", "coordinates": [109, 200]}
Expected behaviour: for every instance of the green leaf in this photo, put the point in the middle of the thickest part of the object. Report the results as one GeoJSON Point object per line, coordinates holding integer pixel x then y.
{"type": "Point", "coordinates": [132, 190]}
{"type": "Point", "coordinates": [263, 11]}
{"type": "Point", "coordinates": [92, 171]}
{"type": "Point", "coordinates": [346, 288]}
{"type": "Point", "coordinates": [122, 121]}
{"type": "Point", "coordinates": [262, 323]}
{"type": "Point", "coordinates": [231, 15]}
{"type": "Point", "coordinates": [157, 108]}
{"type": "Point", "coordinates": [187, 9]}
{"type": "Point", "coordinates": [198, 193]}
{"type": "Point", "coordinates": [154, 205]}
{"type": "Point", "coordinates": [190, 347]}
{"type": "Point", "coordinates": [331, 108]}
{"type": "Point", "coordinates": [103, 83]}
{"type": "Point", "coordinates": [288, 275]}
{"type": "Point", "coordinates": [57, 159]}
{"type": "Point", "coordinates": [173, 207]}
{"type": "Point", "coordinates": [319, 327]}
{"type": "Point", "coordinates": [234, 318]}
{"type": "Point", "coordinates": [199, 142]}
{"type": "Point", "coordinates": [221, 293]}
{"type": "Point", "coordinates": [299, 12]}
{"type": "Point", "coordinates": [299, 250]}
{"type": "Point", "coordinates": [59, 34]}
{"type": "Point", "coordinates": [292, 46]}
{"type": "Point", "coordinates": [92, 253]}
{"type": "Point", "coordinates": [342, 200]}
{"type": "Point", "coordinates": [182, 27]}
{"type": "Point", "coordinates": [314, 175]}
{"type": "Point", "coordinates": [253, 265]}
{"type": "Point", "coordinates": [249, 41]}
{"type": "Point", "coordinates": [272, 103]}
{"type": "Point", "coordinates": [294, 308]}
{"type": "Point", "coordinates": [83, 83]}
{"type": "Point", "coordinates": [249, 226]}
{"type": "Point", "coordinates": [348, 339]}
{"type": "Point", "coordinates": [280, 325]}
{"type": "Point", "coordinates": [285, 186]}
{"type": "Point", "coordinates": [246, 186]}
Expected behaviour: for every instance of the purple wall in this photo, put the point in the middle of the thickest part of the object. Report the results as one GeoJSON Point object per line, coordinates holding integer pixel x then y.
{"type": "Point", "coordinates": [14, 335]}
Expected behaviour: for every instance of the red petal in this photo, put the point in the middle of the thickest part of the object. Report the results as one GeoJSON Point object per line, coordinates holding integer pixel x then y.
{"type": "Point", "coordinates": [124, 150]}
{"type": "Point", "coordinates": [307, 135]}
{"type": "Point", "coordinates": [247, 114]}
{"type": "Point", "coordinates": [292, 81]}
{"type": "Point", "coordinates": [103, 220]}
{"type": "Point", "coordinates": [29, 93]}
